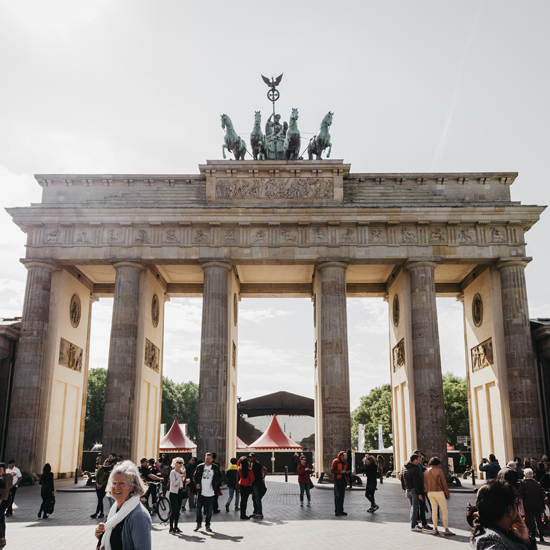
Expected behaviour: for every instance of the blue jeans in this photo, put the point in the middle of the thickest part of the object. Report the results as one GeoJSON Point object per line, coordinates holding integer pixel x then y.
{"type": "Point", "coordinates": [208, 503]}
{"type": "Point", "coordinates": [257, 494]}
{"type": "Point", "coordinates": [233, 491]}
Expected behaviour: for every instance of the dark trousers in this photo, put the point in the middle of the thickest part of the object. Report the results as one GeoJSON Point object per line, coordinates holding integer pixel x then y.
{"type": "Point", "coordinates": [152, 490]}
{"type": "Point", "coordinates": [208, 503]}
{"type": "Point", "coordinates": [46, 505]}
{"type": "Point", "coordinates": [369, 493]}
{"type": "Point", "coordinates": [245, 493]}
{"type": "Point", "coordinates": [3, 508]}
{"type": "Point", "coordinates": [175, 505]}
{"type": "Point", "coordinates": [257, 494]}
{"type": "Point", "coordinates": [304, 487]}
{"type": "Point", "coordinates": [100, 493]}
{"type": "Point", "coordinates": [533, 516]}
{"type": "Point", "coordinates": [339, 494]}
{"type": "Point", "coordinates": [11, 498]}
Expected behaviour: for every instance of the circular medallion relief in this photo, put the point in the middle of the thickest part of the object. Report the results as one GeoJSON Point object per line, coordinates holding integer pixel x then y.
{"type": "Point", "coordinates": [235, 309]}
{"type": "Point", "coordinates": [155, 311]}
{"type": "Point", "coordinates": [75, 310]}
{"type": "Point", "coordinates": [477, 310]}
{"type": "Point", "coordinates": [395, 308]}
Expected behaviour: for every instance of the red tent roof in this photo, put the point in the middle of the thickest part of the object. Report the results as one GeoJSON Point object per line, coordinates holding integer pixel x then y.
{"type": "Point", "coordinates": [275, 439]}
{"type": "Point", "coordinates": [176, 441]}
{"type": "Point", "coordinates": [240, 444]}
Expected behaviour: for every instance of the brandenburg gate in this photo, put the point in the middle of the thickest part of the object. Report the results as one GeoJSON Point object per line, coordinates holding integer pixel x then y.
{"type": "Point", "coordinates": [272, 228]}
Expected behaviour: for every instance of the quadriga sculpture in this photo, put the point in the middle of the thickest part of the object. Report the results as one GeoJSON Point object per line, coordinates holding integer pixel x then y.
{"type": "Point", "coordinates": [292, 139]}
{"type": "Point", "coordinates": [257, 138]}
{"type": "Point", "coordinates": [232, 142]}
{"type": "Point", "coordinates": [319, 142]}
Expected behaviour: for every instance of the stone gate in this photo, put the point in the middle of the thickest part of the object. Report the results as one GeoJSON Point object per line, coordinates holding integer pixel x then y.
{"type": "Point", "coordinates": [272, 228]}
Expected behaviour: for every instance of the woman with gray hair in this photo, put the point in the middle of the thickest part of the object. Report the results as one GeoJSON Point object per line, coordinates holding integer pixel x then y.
{"type": "Point", "coordinates": [533, 502]}
{"type": "Point", "coordinates": [128, 525]}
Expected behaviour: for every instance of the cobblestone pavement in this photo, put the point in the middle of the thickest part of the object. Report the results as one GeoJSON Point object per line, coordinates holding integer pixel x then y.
{"type": "Point", "coordinates": [285, 524]}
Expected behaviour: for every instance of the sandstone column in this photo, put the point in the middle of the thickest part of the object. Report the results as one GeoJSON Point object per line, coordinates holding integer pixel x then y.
{"type": "Point", "coordinates": [121, 374]}
{"type": "Point", "coordinates": [524, 399]}
{"type": "Point", "coordinates": [215, 361]}
{"type": "Point", "coordinates": [31, 384]}
{"type": "Point", "coordinates": [333, 364]}
{"type": "Point", "coordinates": [428, 384]}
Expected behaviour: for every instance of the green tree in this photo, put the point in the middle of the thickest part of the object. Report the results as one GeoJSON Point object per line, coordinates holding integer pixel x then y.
{"type": "Point", "coordinates": [180, 401]}
{"type": "Point", "coordinates": [374, 409]}
{"type": "Point", "coordinates": [308, 443]}
{"type": "Point", "coordinates": [455, 395]}
{"type": "Point", "coordinates": [95, 407]}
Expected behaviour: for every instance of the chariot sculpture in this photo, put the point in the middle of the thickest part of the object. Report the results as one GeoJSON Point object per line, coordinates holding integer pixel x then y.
{"type": "Point", "coordinates": [281, 141]}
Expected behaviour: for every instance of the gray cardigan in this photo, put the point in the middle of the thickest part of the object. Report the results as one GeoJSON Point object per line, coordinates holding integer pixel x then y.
{"type": "Point", "coordinates": [136, 531]}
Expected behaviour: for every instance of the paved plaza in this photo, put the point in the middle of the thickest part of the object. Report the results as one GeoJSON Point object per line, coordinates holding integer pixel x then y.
{"type": "Point", "coordinates": [286, 525]}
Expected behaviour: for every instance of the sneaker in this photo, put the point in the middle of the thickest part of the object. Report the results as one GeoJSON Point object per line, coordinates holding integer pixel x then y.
{"type": "Point", "coordinates": [376, 507]}
{"type": "Point", "coordinates": [309, 505]}
{"type": "Point", "coordinates": [417, 529]}
{"type": "Point", "coordinates": [93, 516]}
{"type": "Point", "coordinates": [343, 513]}
{"type": "Point", "coordinates": [197, 528]}
{"type": "Point", "coordinates": [370, 510]}
{"type": "Point", "coordinates": [301, 504]}
{"type": "Point", "coordinates": [237, 509]}
{"type": "Point", "coordinates": [245, 517]}
{"type": "Point", "coordinates": [259, 516]}
{"type": "Point", "coordinates": [427, 527]}
{"type": "Point", "coordinates": [100, 516]}
{"type": "Point", "coordinates": [177, 530]}
{"type": "Point", "coordinates": [208, 528]}
{"type": "Point", "coordinates": [337, 514]}
{"type": "Point", "coordinates": [226, 508]}
{"type": "Point", "coordinates": [254, 515]}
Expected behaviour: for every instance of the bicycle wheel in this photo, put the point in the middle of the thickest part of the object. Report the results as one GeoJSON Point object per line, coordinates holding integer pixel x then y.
{"type": "Point", "coordinates": [164, 509]}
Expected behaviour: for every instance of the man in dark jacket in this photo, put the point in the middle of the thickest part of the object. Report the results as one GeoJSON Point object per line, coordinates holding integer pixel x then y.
{"type": "Point", "coordinates": [533, 503]}
{"type": "Point", "coordinates": [413, 487]}
{"type": "Point", "coordinates": [340, 472]}
{"type": "Point", "coordinates": [258, 486]}
{"type": "Point", "coordinates": [208, 480]}
{"type": "Point", "coordinates": [491, 467]}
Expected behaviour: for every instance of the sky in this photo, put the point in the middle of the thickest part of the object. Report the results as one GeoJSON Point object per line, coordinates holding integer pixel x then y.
{"type": "Point", "coordinates": [139, 87]}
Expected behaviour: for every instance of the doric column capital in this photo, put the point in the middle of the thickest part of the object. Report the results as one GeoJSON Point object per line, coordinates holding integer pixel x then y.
{"type": "Point", "coordinates": [38, 264]}
{"type": "Point", "coordinates": [128, 263]}
{"type": "Point", "coordinates": [417, 264]}
{"type": "Point", "coordinates": [217, 263]}
{"type": "Point", "coordinates": [330, 263]}
{"type": "Point", "coordinates": [512, 262]}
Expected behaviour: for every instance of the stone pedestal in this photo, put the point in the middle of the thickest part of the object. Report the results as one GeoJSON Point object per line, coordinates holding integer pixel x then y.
{"type": "Point", "coordinates": [332, 373]}
{"type": "Point", "coordinates": [31, 384]}
{"type": "Point", "coordinates": [525, 415]}
{"type": "Point", "coordinates": [215, 362]}
{"type": "Point", "coordinates": [428, 384]}
{"type": "Point", "coordinates": [118, 424]}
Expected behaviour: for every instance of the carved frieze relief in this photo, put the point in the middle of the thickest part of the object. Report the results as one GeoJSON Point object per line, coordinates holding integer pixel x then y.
{"type": "Point", "coordinates": [482, 355]}
{"type": "Point", "coordinates": [70, 355]}
{"type": "Point", "coordinates": [53, 237]}
{"type": "Point", "coordinates": [275, 188]}
{"type": "Point", "coordinates": [407, 235]}
{"type": "Point", "coordinates": [466, 235]}
{"type": "Point", "coordinates": [398, 355]}
{"type": "Point", "coordinates": [155, 311]}
{"type": "Point", "coordinates": [498, 235]}
{"type": "Point", "coordinates": [378, 235]}
{"type": "Point", "coordinates": [75, 310]}
{"type": "Point", "coordinates": [170, 236]}
{"type": "Point", "coordinates": [152, 354]}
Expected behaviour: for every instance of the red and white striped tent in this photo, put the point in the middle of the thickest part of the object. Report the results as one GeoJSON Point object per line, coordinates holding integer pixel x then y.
{"type": "Point", "coordinates": [175, 441]}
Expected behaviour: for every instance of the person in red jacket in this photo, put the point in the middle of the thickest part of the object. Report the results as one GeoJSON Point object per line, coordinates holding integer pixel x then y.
{"type": "Point", "coordinates": [340, 470]}
{"type": "Point", "coordinates": [304, 480]}
{"type": "Point", "coordinates": [246, 477]}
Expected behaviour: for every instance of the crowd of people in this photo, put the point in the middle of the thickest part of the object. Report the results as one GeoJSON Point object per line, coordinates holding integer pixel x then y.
{"type": "Point", "coordinates": [509, 511]}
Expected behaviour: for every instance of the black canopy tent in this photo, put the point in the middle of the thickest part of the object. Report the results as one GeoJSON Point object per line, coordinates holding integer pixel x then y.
{"type": "Point", "coordinates": [279, 403]}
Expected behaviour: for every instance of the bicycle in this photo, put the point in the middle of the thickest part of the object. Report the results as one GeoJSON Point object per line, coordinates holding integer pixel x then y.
{"type": "Point", "coordinates": [162, 507]}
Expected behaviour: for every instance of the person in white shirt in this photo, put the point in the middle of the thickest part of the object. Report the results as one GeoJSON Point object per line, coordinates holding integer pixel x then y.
{"type": "Point", "coordinates": [16, 475]}
{"type": "Point", "coordinates": [177, 484]}
{"type": "Point", "coordinates": [208, 479]}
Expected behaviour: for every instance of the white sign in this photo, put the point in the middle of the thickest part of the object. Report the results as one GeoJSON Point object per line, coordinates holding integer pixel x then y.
{"type": "Point", "coordinates": [361, 439]}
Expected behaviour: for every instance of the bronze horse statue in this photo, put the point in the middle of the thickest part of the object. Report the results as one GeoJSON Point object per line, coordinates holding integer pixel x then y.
{"type": "Point", "coordinates": [319, 142]}
{"type": "Point", "coordinates": [292, 143]}
{"type": "Point", "coordinates": [232, 142]}
{"type": "Point", "coordinates": [257, 138]}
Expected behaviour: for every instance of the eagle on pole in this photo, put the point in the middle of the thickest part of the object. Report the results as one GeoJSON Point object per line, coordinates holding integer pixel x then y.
{"type": "Point", "coordinates": [274, 82]}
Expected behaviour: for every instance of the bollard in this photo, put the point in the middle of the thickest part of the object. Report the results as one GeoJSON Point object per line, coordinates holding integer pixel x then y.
{"type": "Point", "coordinates": [76, 476]}
{"type": "Point", "coordinates": [473, 477]}
{"type": "Point", "coordinates": [286, 474]}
